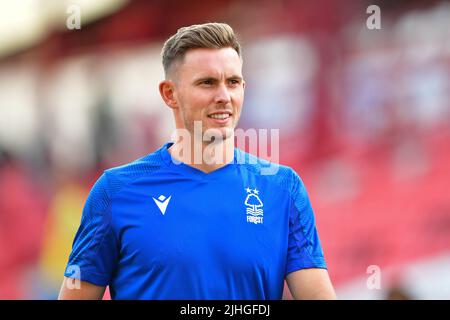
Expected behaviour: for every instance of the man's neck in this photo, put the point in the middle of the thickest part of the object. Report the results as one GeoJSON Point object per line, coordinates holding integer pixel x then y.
{"type": "Point", "coordinates": [204, 156]}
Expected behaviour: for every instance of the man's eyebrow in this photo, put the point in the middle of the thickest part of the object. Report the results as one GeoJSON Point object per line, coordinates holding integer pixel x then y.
{"type": "Point", "coordinates": [209, 78]}
{"type": "Point", "coordinates": [201, 79]}
{"type": "Point", "coordinates": [236, 77]}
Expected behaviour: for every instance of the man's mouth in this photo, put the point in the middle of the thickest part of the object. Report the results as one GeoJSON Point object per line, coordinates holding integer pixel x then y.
{"type": "Point", "coordinates": [220, 117]}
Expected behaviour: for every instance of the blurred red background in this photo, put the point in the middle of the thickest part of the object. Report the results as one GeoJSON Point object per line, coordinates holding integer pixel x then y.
{"type": "Point", "coordinates": [363, 116]}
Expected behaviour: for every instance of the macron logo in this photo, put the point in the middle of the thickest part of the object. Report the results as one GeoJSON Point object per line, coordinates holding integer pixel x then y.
{"type": "Point", "coordinates": [162, 203]}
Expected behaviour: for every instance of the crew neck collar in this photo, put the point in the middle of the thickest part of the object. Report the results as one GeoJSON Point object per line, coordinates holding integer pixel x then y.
{"type": "Point", "coordinates": [190, 170]}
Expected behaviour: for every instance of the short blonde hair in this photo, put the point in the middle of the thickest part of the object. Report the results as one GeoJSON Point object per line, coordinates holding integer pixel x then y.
{"type": "Point", "coordinates": [209, 35]}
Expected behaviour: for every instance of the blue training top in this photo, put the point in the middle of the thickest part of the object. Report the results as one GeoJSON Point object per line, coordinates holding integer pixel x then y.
{"type": "Point", "coordinates": [158, 229]}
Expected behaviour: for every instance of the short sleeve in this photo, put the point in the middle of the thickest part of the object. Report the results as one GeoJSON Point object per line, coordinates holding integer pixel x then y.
{"type": "Point", "coordinates": [304, 248]}
{"type": "Point", "coordinates": [94, 250]}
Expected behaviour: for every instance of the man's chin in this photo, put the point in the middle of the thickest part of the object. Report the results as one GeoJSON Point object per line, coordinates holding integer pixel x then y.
{"type": "Point", "coordinates": [218, 134]}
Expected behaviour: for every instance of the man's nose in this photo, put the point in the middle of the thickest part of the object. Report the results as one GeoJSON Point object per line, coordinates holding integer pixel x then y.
{"type": "Point", "coordinates": [222, 94]}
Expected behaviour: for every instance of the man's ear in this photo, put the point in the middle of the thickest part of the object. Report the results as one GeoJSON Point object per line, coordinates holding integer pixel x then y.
{"type": "Point", "coordinates": [167, 91]}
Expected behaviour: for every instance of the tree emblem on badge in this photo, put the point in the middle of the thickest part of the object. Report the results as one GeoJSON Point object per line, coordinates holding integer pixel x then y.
{"type": "Point", "coordinates": [253, 202]}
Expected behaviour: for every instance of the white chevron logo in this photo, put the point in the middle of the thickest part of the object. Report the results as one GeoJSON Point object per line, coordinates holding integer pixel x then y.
{"type": "Point", "coordinates": [162, 203]}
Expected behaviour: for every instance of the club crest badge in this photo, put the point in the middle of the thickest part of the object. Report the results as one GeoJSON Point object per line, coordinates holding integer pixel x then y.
{"type": "Point", "coordinates": [254, 206]}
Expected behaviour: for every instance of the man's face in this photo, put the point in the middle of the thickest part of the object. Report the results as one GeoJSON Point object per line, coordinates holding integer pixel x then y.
{"type": "Point", "coordinates": [208, 87]}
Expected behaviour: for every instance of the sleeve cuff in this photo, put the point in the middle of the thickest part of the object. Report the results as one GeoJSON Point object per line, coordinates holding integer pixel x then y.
{"type": "Point", "coordinates": [314, 262]}
{"type": "Point", "coordinates": [90, 277]}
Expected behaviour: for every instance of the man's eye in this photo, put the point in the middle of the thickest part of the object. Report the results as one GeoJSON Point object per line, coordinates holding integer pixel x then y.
{"type": "Point", "coordinates": [234, 81]}
{"type": "Point", "coordinates": [207, 82]}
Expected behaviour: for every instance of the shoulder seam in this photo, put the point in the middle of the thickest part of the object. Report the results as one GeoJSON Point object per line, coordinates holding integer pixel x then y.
{"type": "Point", "coordinates": [253, 170]}
{"type": "Point", "coordinates": [111, 197]}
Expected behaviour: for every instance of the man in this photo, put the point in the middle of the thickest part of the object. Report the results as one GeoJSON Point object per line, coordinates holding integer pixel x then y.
{"type": "Point", "coordinates": [168, 226]}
